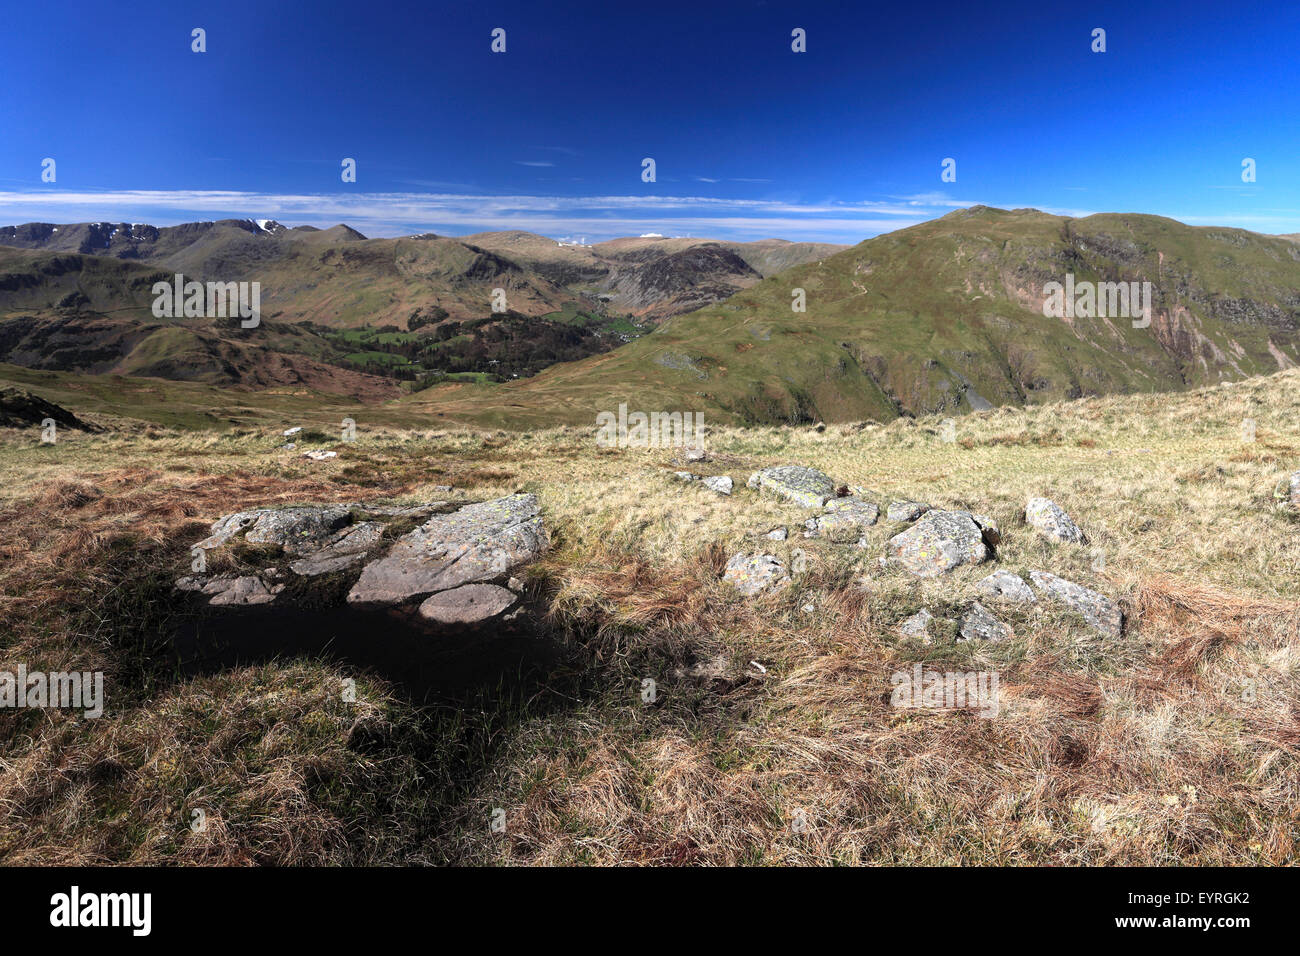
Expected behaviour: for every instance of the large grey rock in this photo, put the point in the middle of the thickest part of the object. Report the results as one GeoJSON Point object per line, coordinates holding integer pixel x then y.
{"type": "Point", "coordinates": [1295, 490]}
{"type": "Point", "coordinates": [937, 543]}
{"type": "Point", "coordinates": [1005, 587]}
{"type": "Point", "coordinates": [467, 604]}
{"type": "Point", "coordinates": [905, 510]}
{"type": "Point", "coordinates": [750, 574]}
{"type": "Point", "coordinates": [1098, 610]}
{"type": "Point", "coordinates": [977, 624]}
{"type": "Point", "coordinates": [844, 519]}
{"type": "Point", "coordinates": [806, 487]}
{"type": "Point", "coordinates": [478, 543]}
{"type": "Point", "coordinates": [297, 529]}
{"type": "Point", "coordinates": [1050, 520]}
{"type": "Point", "coordinates": [344, 547]}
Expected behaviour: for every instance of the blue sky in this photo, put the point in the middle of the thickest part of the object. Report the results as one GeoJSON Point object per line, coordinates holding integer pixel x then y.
{"type": "Point", "coordinates": [749, 138]}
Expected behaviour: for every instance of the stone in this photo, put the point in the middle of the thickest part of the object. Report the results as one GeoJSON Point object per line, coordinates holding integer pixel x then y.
{"type": "Point", "coordinates": [1101, 613]}
{"type": "Point", "coordinates": [918, 625]}
{"type": "Point", "coordinates": [319, 454]}
{"type": "Point", "coordinates": [1005, 587]}
{"type": "Point", "coordinates": [1295, 490]}
{"type": "Point", "coordinates": [777, 534]}
{"type": "Point", "coordinates": [905, 510]}
{"type": "Point", "coordinates": [844, 519]}
{"type": "Point", "coordinates": [751, 574]}
{"type": "Point", "coordinates": [1050, 520]}
{"type": "Point", "coordinates": [475, 544]}
{"type": "Point", "coordinates": [719, 483]}
{"type": "Point", "coordinates": [937, 543]}
{"type": "Point", "coordinates": [977, 624]}
{"type": "Point", "coordinates": [296, 529]}
{"type": "Point", "coordinates": [806, 487]}
{"type": "Point", "coordinates": [467, 604]}
{"type": "Point", "coordinates": [346, 547]}
{"type": "Point", "coordinates": [228, 589]}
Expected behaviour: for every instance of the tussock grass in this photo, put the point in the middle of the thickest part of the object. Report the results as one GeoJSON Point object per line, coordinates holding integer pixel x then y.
{"type": "Point", "coordinates": [1178, 742]}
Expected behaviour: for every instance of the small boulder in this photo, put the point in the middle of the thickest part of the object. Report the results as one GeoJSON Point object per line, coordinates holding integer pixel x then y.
{"type": "Point", "coordinates": [777, 534]}
{"type": "Point", "coordinates": [1099, 611]}
{"type": "Point", "coordinates": [937, 543]}
{"type": "Point", "coordinates": [1295, 490]}
{"type": "Point", "coordinates": [722, 484]}
{"type": "Point", "coordinates": [1050, 520]}
{"type": "Point", "coordinates": [751, 574]}
{"type": "Point", "coordinates": [806, 487]}
{"type": "Point", "coordinates": [1005, 587]}
{"type": "Point", "coordinates": [977, 624]}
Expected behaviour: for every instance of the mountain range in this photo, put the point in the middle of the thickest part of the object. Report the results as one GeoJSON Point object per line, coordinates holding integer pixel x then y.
{"type": "Point", "coordinates": [943, 317]}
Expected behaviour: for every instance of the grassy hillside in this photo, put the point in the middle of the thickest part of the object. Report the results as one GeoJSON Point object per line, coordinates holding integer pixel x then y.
{"type": "Point", "coordinates": [945, 317]}
{"type": "Point", "coordinates": [1176, 742]}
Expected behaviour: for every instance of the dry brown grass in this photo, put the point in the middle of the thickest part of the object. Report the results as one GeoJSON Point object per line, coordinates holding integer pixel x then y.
{"type": "Point", "coordinates": [1177, 743]}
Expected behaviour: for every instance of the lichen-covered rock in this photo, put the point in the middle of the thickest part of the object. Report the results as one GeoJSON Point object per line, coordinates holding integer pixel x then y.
{"type": "Point", "coordinates": [905, 510]}
{"type": "Point", "coordinates": [750, 574]}
{"type": "Point", "coordinates": [844, 519]}
{"type": "Point", "coordinates": [467, 604]}
{"type": "Point", "coordinates": [777, 534]}
{"type": "Point", "coordinates": [918, 625]}
{"type": "Point", "coordinates": [722, 484]}
{"type": "Point", "coordinates": [475, 544]}
{"type": "Point", "coordinates": [937, 543]}
{"type": "Point", "coordinates": [1005, 587]}
{"type": "Point", "coordinates": [1295, 490]}
{"type": "Point", "coordinates": [1098, 610]}
{"type": "Point", "coordinates": [1050, 520]}
{"type": "Point", "coordinates": [685, 476]}
{"type": "Point", "coordinates": [297, 529]}
{"type": "Point", "coordinates": [806, 487]}
{"type": "Point", "coordinates": [344, 547]}
{"type": "Point", "coordinates": [977, 624]}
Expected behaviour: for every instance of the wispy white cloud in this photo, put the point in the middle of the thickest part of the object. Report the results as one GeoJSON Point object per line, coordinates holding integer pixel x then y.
{"type": "Point", "coordinates": [526, 162]}
{"type": "Point", "coordinates": [598, 217]}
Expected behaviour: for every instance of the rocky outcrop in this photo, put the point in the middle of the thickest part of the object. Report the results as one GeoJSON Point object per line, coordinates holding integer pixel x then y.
{"type": "Point", "coordinates": [20, 408]}
{"type": "Point", "coordinates": [452, 563]}
{"type": "Point", "coordinates": [477, 544]}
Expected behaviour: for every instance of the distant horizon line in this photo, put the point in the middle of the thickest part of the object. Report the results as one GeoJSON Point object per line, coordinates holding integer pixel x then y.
{"type": "Point", "coordinates": [600, 237]}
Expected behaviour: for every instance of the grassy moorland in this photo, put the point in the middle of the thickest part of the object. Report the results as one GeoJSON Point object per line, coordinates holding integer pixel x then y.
{"type": "Point", "coordinates": [1178, 742]}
